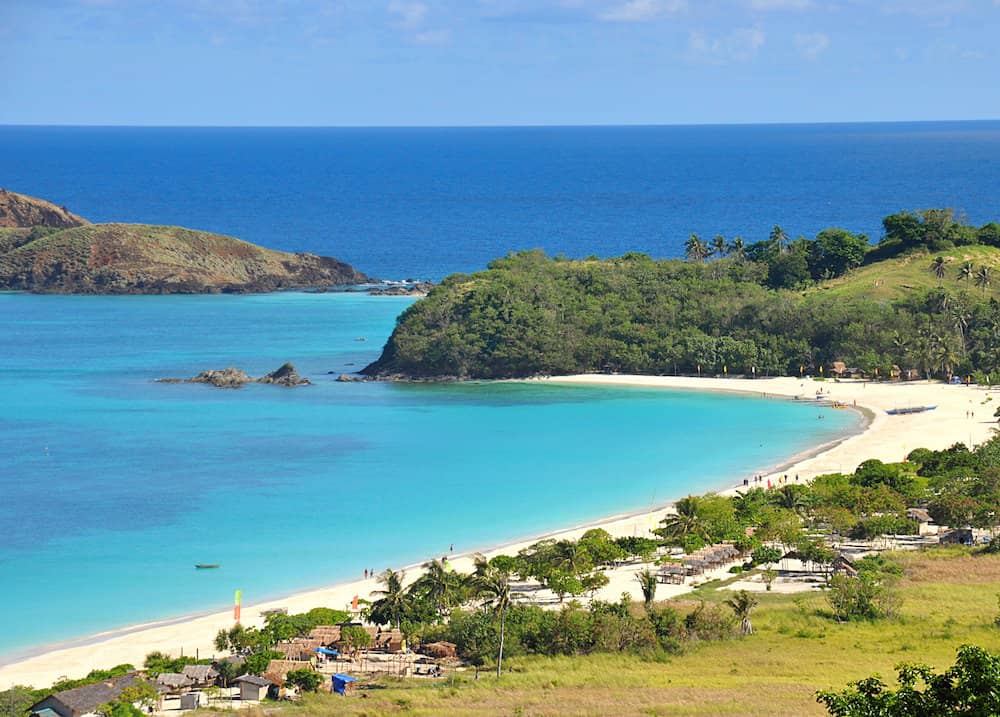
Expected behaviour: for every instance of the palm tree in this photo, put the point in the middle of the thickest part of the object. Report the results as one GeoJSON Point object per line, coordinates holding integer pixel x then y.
{"type": "Point", "coordinates": [737, 248]}
{"type": "Point", "coordinates": [441, 586]}
{"type": "Point", "coordinates": [790, 497]}
{"type": "Point", "coordinates": [647, 580]}
{"type": "Point", "coordinates": [778, 238]}
{"type": "Point", "coordinates": [720, 247]}
{"type": "Point", "coordinates": [742, 605]}
{"type": "Point", "coordinates": [572, 557]}
{"type": "Point", "coordinates": [983, 278]}
{"type": "Point", "coordinates": [492, 585]}
{"type": "Point", "coordinates": [685, 522]}
{"type": "Point", "coordinates": [965, 272]}
{"type": "Point", "coordinates": [937, 268]}
{"type": "Point", "coordinates": [392, 601]}
{"type": "Point", "coordinates": [695, 249]}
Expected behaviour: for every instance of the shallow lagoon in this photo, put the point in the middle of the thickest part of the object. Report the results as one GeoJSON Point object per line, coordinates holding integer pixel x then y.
{"type": "Point", "coordinates": [114, 486]}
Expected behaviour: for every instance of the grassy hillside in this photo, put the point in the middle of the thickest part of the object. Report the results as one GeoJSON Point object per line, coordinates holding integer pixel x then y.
{"type": "Point", "coordinates": [20, 210]}
{"type": "Point", "coordinates": [909, 275]}
{"type": "Point", "coordinates": [139, 258]}
{"type": "Point", "coordinates": [949, 598]}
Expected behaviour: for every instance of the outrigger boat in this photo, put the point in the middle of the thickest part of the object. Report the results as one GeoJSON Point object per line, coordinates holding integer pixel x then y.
{"type": "Point", "coordinates": [912, 409]}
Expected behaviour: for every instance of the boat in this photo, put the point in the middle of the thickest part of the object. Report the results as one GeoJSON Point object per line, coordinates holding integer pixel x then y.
{"type": "Point", "coordinates": [912, 409]}
{"type": "Point", "coordinates": [839, 404]}
{"type": "Point", "coordinates": [206, 566]}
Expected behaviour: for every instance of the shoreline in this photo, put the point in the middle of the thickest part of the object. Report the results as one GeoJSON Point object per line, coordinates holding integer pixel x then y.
{"type": "Point", "coordinates": [876, 436]}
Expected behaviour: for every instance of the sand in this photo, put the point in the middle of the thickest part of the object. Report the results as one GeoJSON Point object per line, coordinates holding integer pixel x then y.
{"type": "Point", "coordinates": [888, 438]}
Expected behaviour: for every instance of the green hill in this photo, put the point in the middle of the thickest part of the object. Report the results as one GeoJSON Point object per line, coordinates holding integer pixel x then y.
{"type": "Point", "coordinates": [529, 314]}
{"type": "Point", "coordinates": [139, 258]}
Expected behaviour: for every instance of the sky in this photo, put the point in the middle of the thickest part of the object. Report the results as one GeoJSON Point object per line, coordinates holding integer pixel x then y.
{"type": "Point", "coordinates": [496, 62]}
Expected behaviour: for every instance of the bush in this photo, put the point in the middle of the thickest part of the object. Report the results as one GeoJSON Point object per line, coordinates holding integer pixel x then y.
{"type": "Point", "coordinates": [304, 680]}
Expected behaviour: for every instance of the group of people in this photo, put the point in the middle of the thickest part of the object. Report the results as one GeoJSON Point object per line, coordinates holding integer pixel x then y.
{"type": "Point", "coordinates": [758, 481]}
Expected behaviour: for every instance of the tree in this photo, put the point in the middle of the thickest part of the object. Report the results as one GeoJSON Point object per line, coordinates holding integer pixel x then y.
{"type": "Point", "coordinates": [737, 248]}
{"type": "Point", "coordinates": [684, 522]}
{"type": "Point", "coordinates": [228, 671]}
{"type": "Point", "coordinates": [304, 680]}
{"type": "Point", "coordinates": [493, 588]}
{"type": "Point", "coordinates": [719, 246]}
{"type": "Point", "coordinates": [778, 238]}
{"type": "Point", "coordinates": [965, 273]}
{"type": "Point", "coordinates": [938, 267]}
{"type": "Point", "coordinates": [256, 664]}
{"type": "Point", "coordinates": [742, 605]}
{"type": "Point", "coordinates": [983, 278]}
{"type": "Point", "coordinates": [970, 687]}
{"type": "Point", "coordinates": [695, 249]}
{"type": "Point", "coordinates": [835, 252]}
{"type": "Point", "coordinates": [392, 603]}
{"type": "Point", "coordinates": [441, 586]}
{"type": "Point", "coordinates": [647, 580]}
{"type": "Point", "coordinates": [354, 638]}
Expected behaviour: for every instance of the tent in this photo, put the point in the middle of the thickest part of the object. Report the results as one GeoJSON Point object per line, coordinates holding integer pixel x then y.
{"type": "Point", "coordinates": [327, 651]}
{"type": "Point", "coordinates": [342, 684]}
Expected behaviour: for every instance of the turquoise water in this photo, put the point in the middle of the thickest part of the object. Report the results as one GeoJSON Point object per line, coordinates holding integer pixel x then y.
{"type": "Point", "coordinates": [114, 486]}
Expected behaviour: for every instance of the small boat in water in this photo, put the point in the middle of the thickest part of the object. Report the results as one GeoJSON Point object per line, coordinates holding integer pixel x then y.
{"type": "Point", "coordinates": [206, 566]}
{"type": "Point", "coordinates": [912, 409]}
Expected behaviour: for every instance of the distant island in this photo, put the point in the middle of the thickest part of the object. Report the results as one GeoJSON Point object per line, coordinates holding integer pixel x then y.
{"type": "Point", "coordinates": [47, 249]}
{"type": "Point", "coordinates": [920, 303]}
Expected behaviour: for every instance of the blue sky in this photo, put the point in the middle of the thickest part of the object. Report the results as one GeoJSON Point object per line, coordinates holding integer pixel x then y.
{"type": "Point", "coordinates": [496, 62]}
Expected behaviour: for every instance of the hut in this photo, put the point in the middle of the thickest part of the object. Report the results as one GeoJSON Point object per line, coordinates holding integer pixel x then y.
{"type": "Point", "coordinates": [299, 649]}
{"type": "Point", "coordinates": [440, 650]}
{"type": "Point", "coordinates": [343, 684]}
{"type": "Point", "coordinates": [253, 688]}
{"type": "Point", "coordinates": [191, 701]}
{"type": "Point", "coordinates": [925, 523]}
{"type": "Point", "coordinates": [84, 700]}
{"type": "Point", "coordinates": [174, 683]}
{"type": "Point", "coordinates": [201, 676]}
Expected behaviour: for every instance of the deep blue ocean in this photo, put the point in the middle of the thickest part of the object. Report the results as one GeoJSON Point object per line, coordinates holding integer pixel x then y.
{"type": "Point", "coordinates": [113, 485]}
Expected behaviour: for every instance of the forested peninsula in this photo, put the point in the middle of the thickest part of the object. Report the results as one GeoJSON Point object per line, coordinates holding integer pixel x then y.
{"type": "Point", "coordinates": [919, 302]}
{"type": "Point", "coordinates": [47, 249]}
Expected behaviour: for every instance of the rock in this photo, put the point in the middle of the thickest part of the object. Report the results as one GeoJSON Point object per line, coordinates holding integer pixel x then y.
{"type": "Point", "coordinates": [349, 378]}
{"type": "Point", "coordinates": [231, 377]}
{"type": "Point", "coordinates": [286, 375]}
{"type": "Point", "coordinates": [408, 288]}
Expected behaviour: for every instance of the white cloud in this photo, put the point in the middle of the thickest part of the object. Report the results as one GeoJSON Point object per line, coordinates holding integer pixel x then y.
{"type": "Point", "coordinates": [409, 14]}
{"type": "Point", "coordinates": [779, 4]}
{"type": "Point", "coordinates": [741, 45]}
{"type": "Point", "coordinates": [432, 37]}
{"type": "Point", "coordinates": [642, 10]}
{"type": "Point", "coordinates": [811, 44]}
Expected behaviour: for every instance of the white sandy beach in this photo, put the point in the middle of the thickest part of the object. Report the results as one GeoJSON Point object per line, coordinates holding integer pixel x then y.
{"type": "Point", "coordinates": [888, 438]}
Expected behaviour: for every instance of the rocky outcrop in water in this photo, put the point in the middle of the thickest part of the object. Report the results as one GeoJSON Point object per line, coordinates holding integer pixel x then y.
{"type": "Point", "coordinates": [231, 377]}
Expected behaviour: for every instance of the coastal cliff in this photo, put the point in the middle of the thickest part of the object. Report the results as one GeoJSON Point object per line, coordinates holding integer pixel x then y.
{"type": "Point", "coordinates": [20, 210]}
{"type": "Point", "coordinates": [80, 258]}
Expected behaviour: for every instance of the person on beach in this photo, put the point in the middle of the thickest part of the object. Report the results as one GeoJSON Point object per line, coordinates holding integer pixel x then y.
{"type": "Point", "coordinates": [366, 573]}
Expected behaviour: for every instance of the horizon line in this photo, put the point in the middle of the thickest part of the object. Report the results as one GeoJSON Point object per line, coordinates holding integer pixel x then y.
{"type": "Point", "coordinates": [637, 125]}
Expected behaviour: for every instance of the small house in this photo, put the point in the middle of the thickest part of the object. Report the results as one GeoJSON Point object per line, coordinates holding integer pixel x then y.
{"type": "Point", "coordinates": [173, 683]}
{"type": "Point", "coordinates": [191, 701]}
{"type": "Point", "coordinates": [84, 700]}
{"type": "Point", "coordinates": [253, 688]}
{"type": "Point", "coordinates": [925, 523]}
{"type": "Point", "coordinates": [343, 684]}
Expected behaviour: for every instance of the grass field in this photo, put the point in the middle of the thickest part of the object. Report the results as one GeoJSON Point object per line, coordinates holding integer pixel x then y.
{"type": "Point", "coordinates": [949, 598]}
{"type": "Point", "coordinates": [898, 277]}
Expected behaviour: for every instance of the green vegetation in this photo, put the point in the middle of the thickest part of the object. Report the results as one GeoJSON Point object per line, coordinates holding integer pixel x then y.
{"type": "Point", "coordinates": [921, 299]}
{"type": "Point", "coordinates": [256, 645]}
{"type": "Point", "coordinates": [970, 687]}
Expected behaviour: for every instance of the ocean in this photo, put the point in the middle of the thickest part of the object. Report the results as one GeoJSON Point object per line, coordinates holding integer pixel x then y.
{"type": "Point", "coordinates": [114, 485]}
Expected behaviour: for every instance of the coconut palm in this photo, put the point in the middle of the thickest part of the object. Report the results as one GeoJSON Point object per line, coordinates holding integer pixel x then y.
{"type": "Point", "coordinates": [647, 580]}
{"type": "Point", "coordinates": [684, 522]}
{"type": "Point", "coordinates": [720, 247]}
{"type": "Point", "coordinates": [778, 238]}
{"type": "Point", "coordinates": [570, 556]}
{"type": "Point", "coordinates": [965, 273]}
{"type": "Point", "coordinates": [789, 497]}
{"type": "Point", "coordinates": [695, 249]}
{"type": "Point", "coordinates": [737, 248]}
{"type": "Point", "coordinates": [492, 586]}
{"type": "Point", "coordinates": [983, 278]}
{"type": "Point", "coordinates": [938, 268]}
{"type": "Point", "coordinates": [392, 601]}
{"type": "Point", "coordinates": [441, 586]}
{"type": "Point", "coordinates": [742, 604]}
